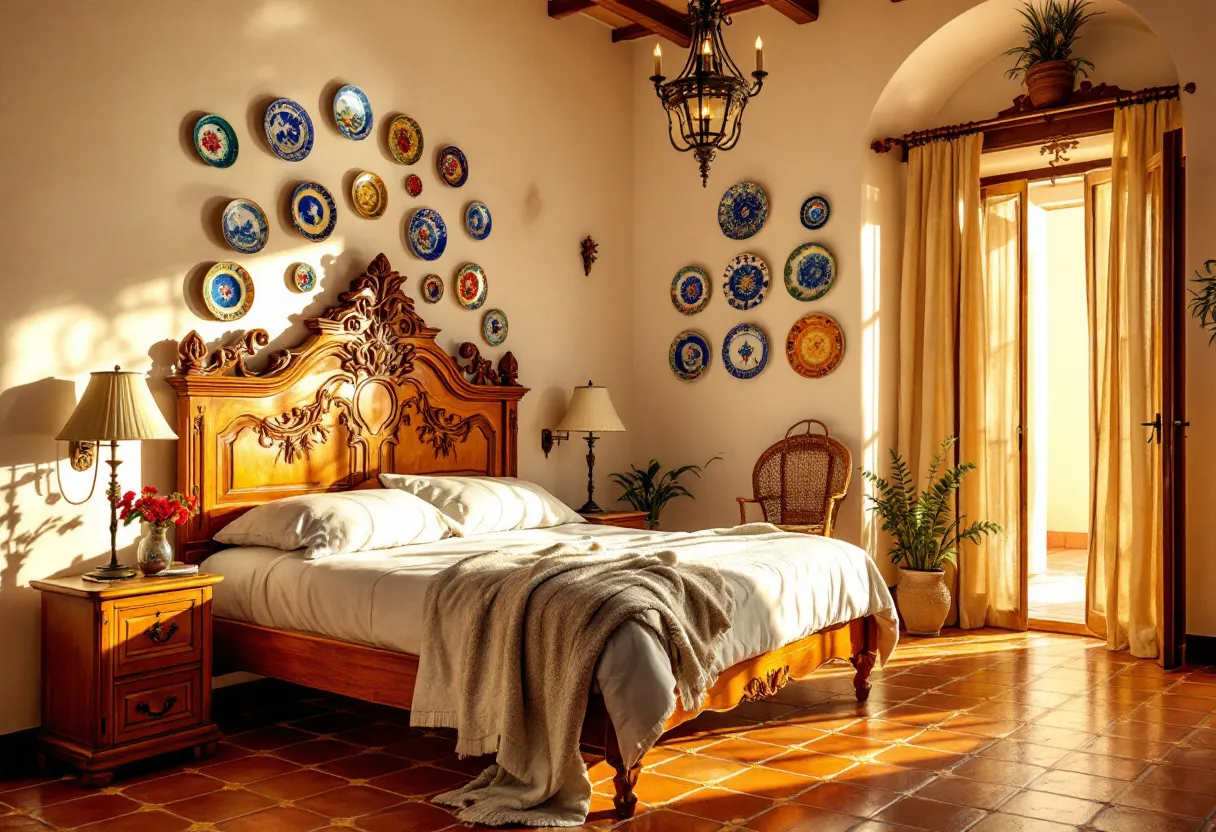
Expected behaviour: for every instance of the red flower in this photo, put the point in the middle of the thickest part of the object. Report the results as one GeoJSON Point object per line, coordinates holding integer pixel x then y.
{"type": "Point", "coordinates": [211, 141]}
{"type": "Point", "coordinates": [159, 511]}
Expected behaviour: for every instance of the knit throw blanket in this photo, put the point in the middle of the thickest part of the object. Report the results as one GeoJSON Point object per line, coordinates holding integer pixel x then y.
{"type": "Point", "coordinates": [509, 649]}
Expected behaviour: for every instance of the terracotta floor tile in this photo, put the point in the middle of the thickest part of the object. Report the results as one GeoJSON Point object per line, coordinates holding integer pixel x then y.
{"type": "Point", "coordinates": [1055, 807]}
{"type": "Point", "coordinates": [1052, 737]}
{"type": "Point", "coordinates": [297, 784]}
{"type": "Point", "coordinates": [947, 702]}
{"type": "Point", "coordinates": [912, 756]}
{"type": "Point", "coordinates": [414, 816]}
{"type": "Point", "coordinates": [1170, 801]}
{"type": "Point", "coordinates": [25, 823]}
{"type": "Point", "coordinates": [699, 769]}
{"type": "Point", "coordinates": [952, 741]}
{"type": "Point", "coordinates": [792, 817]}
{"type": "Point", "coordinates": [766, 782]}
{"type": "Point", "coordinates": [831, 716]}
{"type": "Point", "coordinates": [251, 769]}
{"type": "Point", "coordinates": [1128, 747]}
{"type": "Point", "coordinates": [1000, 822]}
{"type": "Point", "coordinates": [848, 799]}
{"type": "Point", "coordinates": [764, 710]}
{"type": "Point", "coordinates": [1024, 752]}
{"type": "Point", "coordinates": [214, 807]}
{"type": "Point", "coordinates": [883, 776]}
{"type": "Point", "coordinates": [1102, 766]}
{"type": "Point", "coordinates": [1172, 701]}
{"type": "Point", "coordinates": [980, 725]}
{"type": "Point", "coordinates": [810, 763]}
{"type": "Point", "coordinates": [721, 805]}
{"type": "Point", "coordinates": [656, 789]}
{"type": "Point", "coordinates": [350, 801]}
{"type": "Point", "coordinates": [1120, 819]}
{"type": "Point", "coordinates": [275, 819]}
{"type": "Point", "coordinates": [147, 820]}
{"type": "Point", "coordinates": [963, 792]}
{"type": "Point", "coordinates": [1157, 732]}
{"type": "Point", "coordinates": [920, 813]}
{"type": "Point", "coordinates": [1194, 757]}
{"type": "Point", "coordinates": [787, 735]}
{"type": "Point", "coordinates": [1191, 688]}
{"type": "Point", "coordinates": [317, 751]}
{"type": "Point", "coordinates": [667, 820]}
{"type": "Point", "coordinates": [379, 734]}
{"type": "Point", "coordinates": [267, 739]}
{"type": "Point", "coordinates": [1168, 716]}
{"type": "Point", "coordinates": [741, 751]}
{"type": "Point", "coordinates": [916, 715]}
{"type": "Point", "coordinates": [1076, 784]}
{"type": "Point", "coordinates": [43, 794]}
{"type": "Point", "coordinates": [364, 766]}
{"type": "Point", "coordinates": [95, 807]}
{"type": "Point", "coordinates": [1181, 777]}
{"type": "Point", "coordinates": [419, 781]}
{"type": "Point", "coordinates": [998, 771]}
{"type": "Point", "coordinates": [881, 730]}
{"type": "Point", "coordinates": [843, 745]}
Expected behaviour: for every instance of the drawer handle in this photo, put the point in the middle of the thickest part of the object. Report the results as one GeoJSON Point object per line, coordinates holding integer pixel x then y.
{"type": "Point", "coordinates": [158, 635]}
{"type": "Point", "coordinates": [146, 709]}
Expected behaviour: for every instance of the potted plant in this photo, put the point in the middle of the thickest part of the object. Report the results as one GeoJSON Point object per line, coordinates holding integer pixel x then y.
{"type": "Point", "coordinates": [154, 553]}
{"type": "Point", "coordinates": [1203, 299]}
{"type": "Point", "coordinates": [1052, 30]}
{"type": "Point", "coordinates": [648, 490]}
{"type": "Point", "coordinates": [927, 535]}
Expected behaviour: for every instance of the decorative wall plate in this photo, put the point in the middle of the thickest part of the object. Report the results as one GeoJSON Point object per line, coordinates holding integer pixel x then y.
{"type": "Point", "coordinates": [215, 141]}
{"type": "Point", "coordinates": [405, 140]}
{"type": "Point", "coordinates": [816, 212]}
{"type": "Point", "coordinates": [245, 226]}
{"type": "Point", "coordinates": [690, 290]}
{"type": "Point", "coordinates": [815, 346]}
{"type": "Point", "coordinates": [313, 211]}
{"type": "Point", "coordinates": [471, 286]}
{"type": "Point", "coordinates": [689, 356]}
{"type": "Point", "coordinates": [745, 282]}
{"type": "Point", "coordinates": [432, 288]}
{"type": "Point", "coordinates": [227, 291]}
{"type": "Point", "coordinates": [494, 327]}
{"type": "Point", "coordinates": [809, 272]}
{"type": "Point", "coordinates": [369, 195]}
{"type": "Point", "coordinates": [353, 113]}
{"type": "Point", "coordinates": [743, 210]}
{"type": "Point", "coordinates": [745, 351]}
{"type": "Point", "coordinates": [453, 166]}
{"type": "Point", "coordinates": [428, 234]}
{"type": "Point", "coordinates": [304, 278]}
{"type": "Point", "coordinates": [478, 221]}
{"type": "Point", "coordinates": [288, 130]}
{"type": "Point", "coordinates": [413, 185]}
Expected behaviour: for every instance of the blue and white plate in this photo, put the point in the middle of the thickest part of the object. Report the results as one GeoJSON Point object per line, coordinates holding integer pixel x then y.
{"type": "Point", "coordinates": [471, 285]}
{"type": "Point", "coordinates": [809, 272]}
{"type": "Point", "coordinates": [453, 166]}
{"type": "Point", "coordinates": [745, 282]}
{"type": "Point", "coordinates": [690, 355]}
{"type": "Point", "coordinates": [478, 221]}
{"type": "Point", "coordinates": [227, 291]}
{"type": "Point", "coordinates": [815, 212]}
{"type": "Point", "coordinates": [215, 141]}
{"type": "Point", "coordinates": [494, 327]}
{"type": "Point", "coordinates": [745, 351]}
{"type": "Point", "coordinates": [245, 226]}
{"type": "Point", "coordinates": [743, 210]}
{"type": "Point", "coordinates": [288, 130]}
{"type": "Point", "coordinates": [428, 234]}
{"type": "Point", "coordinates": [690, 290]}
{"type": "Point", "coordinates": [432, 288]}
{"type": "Point", "coordinates": [353, 113]}
{"type": "Point", "coordinates": [313, 211]}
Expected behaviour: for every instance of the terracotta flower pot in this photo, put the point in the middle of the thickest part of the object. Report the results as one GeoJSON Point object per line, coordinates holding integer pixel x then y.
{"type": "Point", "coordinates": [924, 601]}
{"type": "Point", "coordinates": [1050, 84]}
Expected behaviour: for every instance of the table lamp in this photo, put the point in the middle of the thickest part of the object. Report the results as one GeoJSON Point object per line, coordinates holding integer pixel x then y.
{"type": "Point", "coordinates": [117, 406]}
{"type": "Point", "coordinates": [590, 412]}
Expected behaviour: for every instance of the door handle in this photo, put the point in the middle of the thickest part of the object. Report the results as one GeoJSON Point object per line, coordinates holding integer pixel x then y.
{"type": "Point", "coordinates": [1156, 426]}
{"type": "Point", "coordinates": [1020, 435]}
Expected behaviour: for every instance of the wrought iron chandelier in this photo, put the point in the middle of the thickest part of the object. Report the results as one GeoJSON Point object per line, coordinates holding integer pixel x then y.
{"type": "Point", "coordinates": [705, 101]}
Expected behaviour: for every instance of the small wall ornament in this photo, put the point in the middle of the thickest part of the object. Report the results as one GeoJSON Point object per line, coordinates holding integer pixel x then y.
{"type": "Point", "coordinates": [590, 249]}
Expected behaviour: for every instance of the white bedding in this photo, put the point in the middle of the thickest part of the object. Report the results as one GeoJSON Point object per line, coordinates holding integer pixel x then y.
{"type": "Point", "coordinates": [786, 587]}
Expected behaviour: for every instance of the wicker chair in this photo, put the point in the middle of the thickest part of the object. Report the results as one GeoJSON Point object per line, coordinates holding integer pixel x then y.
{"type": "Point", "coordinates": [800, 481]}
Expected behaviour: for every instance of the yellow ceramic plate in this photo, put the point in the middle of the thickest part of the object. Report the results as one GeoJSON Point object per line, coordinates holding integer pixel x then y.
{"type": "Point", "coordinates": [815, 346]}
{"type": "Point", "coordinates": [405, 140]}
{"type": "Point", "coordinates": [369, 195]}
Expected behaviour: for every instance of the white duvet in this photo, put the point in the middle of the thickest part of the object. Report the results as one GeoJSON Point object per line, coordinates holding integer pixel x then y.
{"type": "Point", "coordinates": [786, 586]}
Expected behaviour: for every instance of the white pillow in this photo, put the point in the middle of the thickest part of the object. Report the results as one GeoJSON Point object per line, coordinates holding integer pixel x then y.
{"type": "Point", "coordinates": [338, 522]}
{"type": "Point", "coordinates": [482, 505]}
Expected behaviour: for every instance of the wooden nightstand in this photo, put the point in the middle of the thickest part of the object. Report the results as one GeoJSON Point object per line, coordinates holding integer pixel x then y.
{"type": "Point", "coordinates": [621, 519]}
{"type": "Point", "coordinates": [126, 671]}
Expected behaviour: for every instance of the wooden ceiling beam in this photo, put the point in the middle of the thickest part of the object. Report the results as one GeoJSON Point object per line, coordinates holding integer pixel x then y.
{"type": "Point", "coordinates": [564, 8]}
{"type": "Point", "coordinates": [653, 16]}
{"type": "Point", "coordinates": [634, 31]}
{"type": "Point", "coordinates": [799, 11]}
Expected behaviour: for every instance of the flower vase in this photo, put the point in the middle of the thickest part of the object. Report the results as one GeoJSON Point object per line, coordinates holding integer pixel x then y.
{"type": "Point", "coordinates": [154, 553]}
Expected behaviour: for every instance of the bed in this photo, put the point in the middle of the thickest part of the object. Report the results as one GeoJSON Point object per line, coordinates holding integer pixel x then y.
{"type": "Point", "coordinates": [370, 391]}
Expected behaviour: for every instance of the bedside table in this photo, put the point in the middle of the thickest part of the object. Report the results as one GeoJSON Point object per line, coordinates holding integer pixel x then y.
{"type": "Point", "coordinates": [620, 519]}
{"type": "Point", "coordinates": [126, 671]}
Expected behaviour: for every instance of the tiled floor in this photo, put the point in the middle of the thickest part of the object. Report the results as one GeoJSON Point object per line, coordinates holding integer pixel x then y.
{"type": "Point", "coordinates": [995, 732]}
{"type": "Point", "coordinates": [1059, 593]}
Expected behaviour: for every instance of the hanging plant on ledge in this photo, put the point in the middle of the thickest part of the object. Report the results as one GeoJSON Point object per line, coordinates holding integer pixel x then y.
{"type": "Point", "coordinates": [1052, 30]}
{"type": "Point", "coordinates": [1203, 299]}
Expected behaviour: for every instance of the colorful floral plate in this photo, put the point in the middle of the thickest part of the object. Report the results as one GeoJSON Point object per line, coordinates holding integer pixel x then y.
{"type": "Point", "coordinates": [689, 355]}
{"type": "Point", "coordinates": [245, 226]}
{"type": "Point", "coordinates": [478, 221]}
{"type": "Point", "coordinates": [494, 327]}
{"type": "Point", "coordinates": [690, 290]}
{"type": "Point", "coordinates": [369, 195]}
{"type": "Point", "coordinates": [313, 211]}
{"type": "Point", "coordinates": [810, 272]}
{"type": "Point", "coordinates": [815, 212]}
{"type": "Point", "coordinates": [432, 288]}
{"type": "Point", "coordinates": [304, 278]}
{"type": "Point", "coordinates": [227, 291]}
{"type": "Point", "coordinates": [428, 234]}
{"type": "Point", "coordinates": [453, 166]}
{"type": "Point", "coordinates": [413, 185]}
{"type": "Point", "coordinates": [215, 141]}
{"type": "Point", "coordinates": [471, 286]}
{"type": "Point", "coordinates": [743, 210]}
{"type": "Point", "coordinates": [353, 113]}
{"type": "Point", "coordinates": [405, 140]}
{"type": "Point", "coordinates": [745, 282]}
{"type": "Point", "coordinates": [288, 130]}
{"type": "Point", "coordinates": [745, 351]}
{"type": "Point", "coordinates": [815, 346]}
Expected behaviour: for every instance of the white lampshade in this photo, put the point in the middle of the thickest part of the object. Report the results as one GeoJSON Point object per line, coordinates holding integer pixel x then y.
{"type": "Point", "coordinates": [116, 405]}
{"type": "Point", "coordinates": [591, 411]}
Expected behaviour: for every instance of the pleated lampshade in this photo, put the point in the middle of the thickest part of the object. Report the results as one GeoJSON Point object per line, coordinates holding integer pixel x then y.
{"type": "Point", "coordinates": [591, 411]}
{"type": "Point", "coordinates": [116, 405]}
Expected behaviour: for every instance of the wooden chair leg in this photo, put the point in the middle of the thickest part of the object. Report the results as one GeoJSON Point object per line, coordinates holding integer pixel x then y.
{"type": "Point", "coordinates": [864, 663]}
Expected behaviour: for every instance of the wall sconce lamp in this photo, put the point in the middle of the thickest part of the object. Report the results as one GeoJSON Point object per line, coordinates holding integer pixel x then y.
{"type": "Point", "coordinates": [590, 412]}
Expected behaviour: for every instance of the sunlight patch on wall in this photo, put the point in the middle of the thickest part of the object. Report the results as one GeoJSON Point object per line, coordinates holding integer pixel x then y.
{"type": "Point", "coordinates": [871, 360]}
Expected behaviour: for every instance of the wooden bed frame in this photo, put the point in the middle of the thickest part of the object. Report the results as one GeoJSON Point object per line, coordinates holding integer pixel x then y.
{"type": "Point", "coordinates": [369, 391]}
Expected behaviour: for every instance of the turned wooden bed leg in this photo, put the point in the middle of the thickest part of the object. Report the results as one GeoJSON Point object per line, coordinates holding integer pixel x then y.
{"type": "Point", "coordinates": [626, 777]}
{"type": "Point", "coordinates": [864, 663]}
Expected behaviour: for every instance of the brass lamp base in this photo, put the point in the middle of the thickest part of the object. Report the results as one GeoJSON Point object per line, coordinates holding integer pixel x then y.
{"type": "Point", "coordinates": [113, 572]}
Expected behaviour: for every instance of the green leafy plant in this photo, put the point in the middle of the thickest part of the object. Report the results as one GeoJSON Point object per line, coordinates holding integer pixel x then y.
{"type": "Point", "coordinates": [926, 533]}
{"type": "Point", "coordinates": [1203, 299]}
{"type": "Point", "coordinates": [1052, 30]}
{"type": "Point", "coordinates": [650, 491]}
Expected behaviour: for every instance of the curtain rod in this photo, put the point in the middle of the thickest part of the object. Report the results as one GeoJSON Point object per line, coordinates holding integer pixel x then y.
{"type": "Point", "coordinates": [936, 134]}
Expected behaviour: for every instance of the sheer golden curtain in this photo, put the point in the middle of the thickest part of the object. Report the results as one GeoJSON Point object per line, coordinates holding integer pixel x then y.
{"type": "Point", "coordinates": [991, 575]}
{"type": "Point", "coordinates": [941, 244]}
{"type": "Point", "coordinates": [1125, 325]}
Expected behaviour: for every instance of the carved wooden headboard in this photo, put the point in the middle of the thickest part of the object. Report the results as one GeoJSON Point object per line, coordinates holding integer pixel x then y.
{"type": "Point", "coordinates": [367, 391]}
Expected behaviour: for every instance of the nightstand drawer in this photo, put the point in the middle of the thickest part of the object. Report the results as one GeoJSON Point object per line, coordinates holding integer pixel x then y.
{"type": "Point", "coordinates": [157, 705]}
{"type": "Point", "coordinates": [158, 631]}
